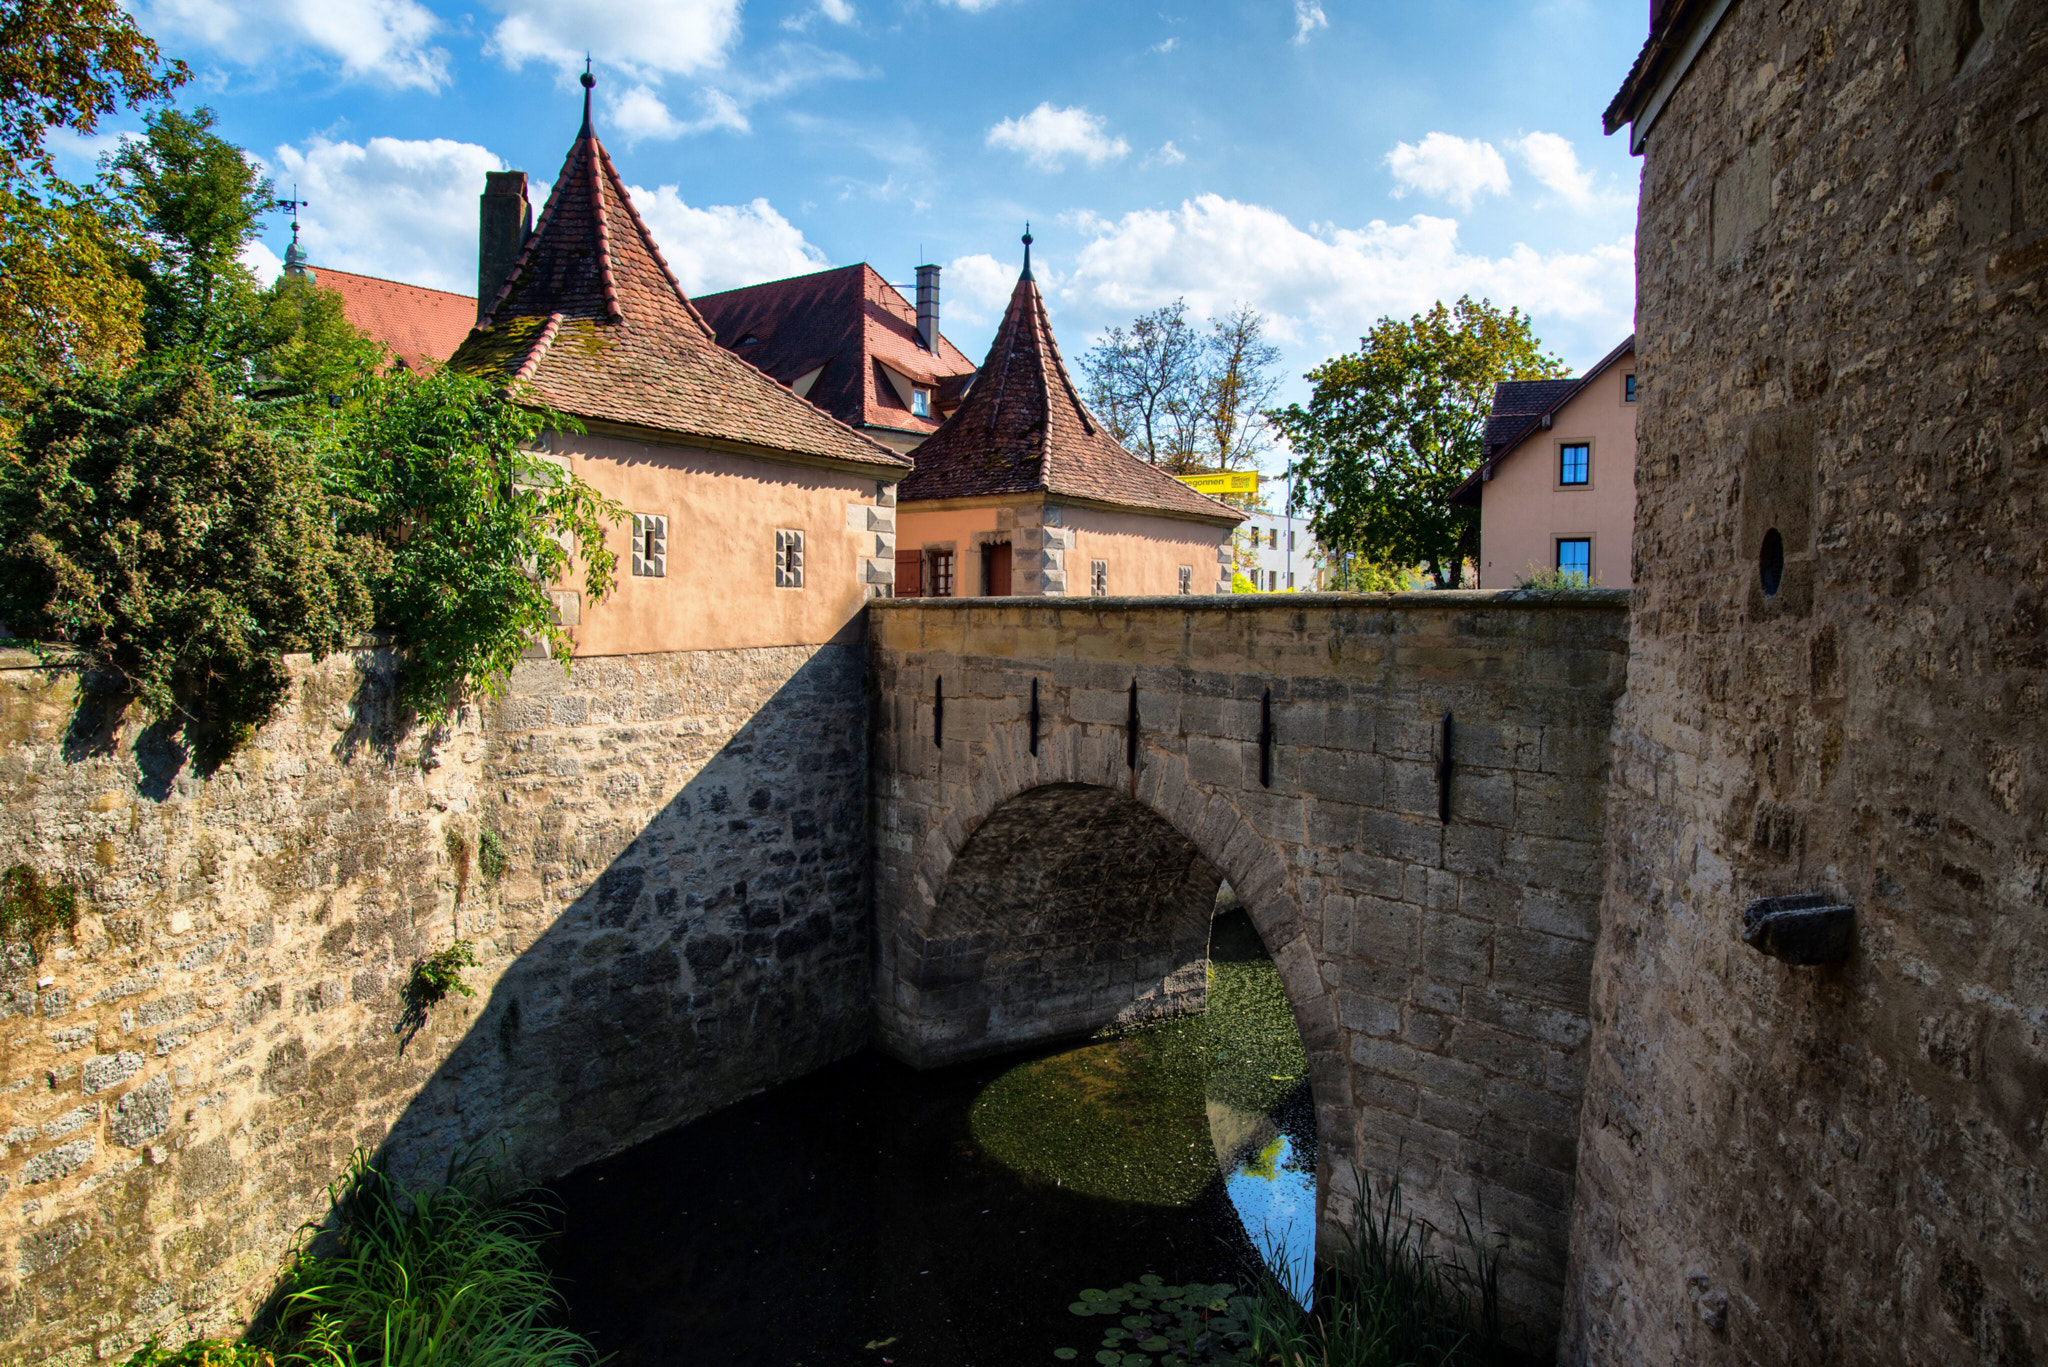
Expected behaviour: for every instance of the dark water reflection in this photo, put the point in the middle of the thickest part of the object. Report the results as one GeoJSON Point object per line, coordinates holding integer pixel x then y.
{"type": "Point", "coordinates": [851, 1217]}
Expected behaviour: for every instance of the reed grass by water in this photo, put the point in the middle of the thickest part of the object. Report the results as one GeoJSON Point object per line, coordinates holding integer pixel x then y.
{"type": "Point", "coordinates": [442, 1276]}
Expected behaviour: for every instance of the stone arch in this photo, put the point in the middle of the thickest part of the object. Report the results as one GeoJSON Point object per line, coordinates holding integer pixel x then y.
{"type": "Point", "coordinates": [916, 973]}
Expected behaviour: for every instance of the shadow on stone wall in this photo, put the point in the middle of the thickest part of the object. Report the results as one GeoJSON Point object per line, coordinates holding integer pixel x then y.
{"type": "Point", "coordinates": [718, 949]}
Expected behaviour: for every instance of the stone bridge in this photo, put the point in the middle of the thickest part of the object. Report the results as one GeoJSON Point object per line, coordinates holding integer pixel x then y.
{"type": "Point", "coordinates": [1404, 791]}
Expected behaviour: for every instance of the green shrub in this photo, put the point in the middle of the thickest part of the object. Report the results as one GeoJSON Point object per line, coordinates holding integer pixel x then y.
{"type": "Point", "coordinates": [203, 1353]}
{"type": "Point", "coordinates": [492, 858]}
{"type": "Point", "coordinates": [448, 1276]}
{"type": "Point", "coordinates": [429, 984]}
{"type": "Point", "coordinates": [182, 549]}
{"type": "Point", "coordinates": [1553, 580]}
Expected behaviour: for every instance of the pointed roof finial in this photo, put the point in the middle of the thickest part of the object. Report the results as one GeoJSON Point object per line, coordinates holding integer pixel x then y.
{"type": "Point", "coordinates": [1027, 251]}
{"type": "Point", "coordinates": [588, 81]}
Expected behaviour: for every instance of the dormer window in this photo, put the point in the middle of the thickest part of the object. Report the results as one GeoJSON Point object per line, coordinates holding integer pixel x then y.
{"type": "Point", "coordinates": [921, 402]}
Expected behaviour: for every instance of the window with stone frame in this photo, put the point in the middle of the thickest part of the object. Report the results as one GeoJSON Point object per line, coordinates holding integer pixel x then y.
{"type": "Point", "coordinates": [1098, 578]}
{"type": "Point", "coordinates": [1575, 464]}
{"type": "Point", "coordinates": [942, 574]}
{"type": "Point", "coordinates": [789, 558]}
{"type": "Point", "coordinates": [650, 545]}
{"type": "Point", "coordinates": [1187, 578]}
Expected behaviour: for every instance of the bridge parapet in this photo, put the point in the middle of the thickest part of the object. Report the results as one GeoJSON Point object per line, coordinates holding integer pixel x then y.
{"type": "Point", "coordinates": [1032, 881]}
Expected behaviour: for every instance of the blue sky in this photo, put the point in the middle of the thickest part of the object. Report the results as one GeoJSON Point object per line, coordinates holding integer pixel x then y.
{"type": "Point", "coordinates": [1327, 162]}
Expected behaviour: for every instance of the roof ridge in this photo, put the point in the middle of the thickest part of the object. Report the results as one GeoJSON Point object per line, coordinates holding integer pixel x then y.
{"type": "Point", "coordinates": [387, 280]}
{"type": "Point", "coordinates": [612, 312]}
{"type": "Point", "coordinates": [647, 240]}
{"type": "Point", "coordinates": [547, 210]}
{"type": "Point", "coordinates": [783, 280]}
{"type": "Point", "coordinates": [524, 370]}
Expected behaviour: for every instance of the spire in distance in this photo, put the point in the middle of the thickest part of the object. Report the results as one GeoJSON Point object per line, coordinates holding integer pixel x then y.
{"type": "Point", "coordinates": [1027, 252]}
{"type": "Point", "coordinates": [588, 81]}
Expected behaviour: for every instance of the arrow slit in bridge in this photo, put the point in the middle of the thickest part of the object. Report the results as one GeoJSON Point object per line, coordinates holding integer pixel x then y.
{"type": "Point", "coordinates": [1131, 730]}
{"type": "Point", "coordinates": [1266, 740]}
{"type": "Point", "coordinates": [939, 712]}
{"type": "Point", "coordinates": [1034, 716]}
{"type": "Point", "coordinates": [1443, 770]}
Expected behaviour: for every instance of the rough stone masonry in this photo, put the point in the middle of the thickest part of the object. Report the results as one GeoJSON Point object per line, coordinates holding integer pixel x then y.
{"type": "Point", "coordinates": [683, 922]}
{"type": "Point", "coordinates": [1842, 276]}
{"type": "Point", "coordinates": [1438, 969]}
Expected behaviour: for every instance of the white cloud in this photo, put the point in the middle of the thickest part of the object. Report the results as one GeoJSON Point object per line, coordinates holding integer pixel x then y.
{"type": "Point", "coordinates": [1169, 45]}
{"type": "Point", "coordinates": [642, 36]}
{"type": "Point", "coordinates": [978, 288]}
{"type": "Point", "coordinates": [972, 6]}
{"type": "Point", "coordinates": [1166, 154]}
{"type": "Point", "coordinates": [1048, 136]}
{"type": "Point", "coordinates": [263, 261]}
{"type": "Point", "coordinates": [724, 245]}
{"type": "Point", "coordinates": [838, 11]}
{"type": "Point", "coordinates": [1552, 160]}
{"type": "Point", "coordinates": [1308, 17]}
{"type": "Point", "coordinates": [404, 210]}
{"type": "Point", "coordinates": [384, 41]}
{"type": "Point", "coordinates": [1325, 284]}
{"type": "Point", "coordinates": [1457, 170]}
{"type": "Point", "coordinates": [641, 113]}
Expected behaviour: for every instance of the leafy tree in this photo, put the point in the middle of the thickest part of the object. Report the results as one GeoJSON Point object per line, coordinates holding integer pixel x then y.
{"type": "Point", "coordinates": [64, 63]}
{"type": "Point", "coordinates": [196, 199]}
{"type": "Point", "coordinates": [305, 346]}
{"type": "Point", "coordinates": [1144, 385]}
{"type": "Point", "coordinates": [67, 302]}
{"type": "Point", "coordinates": [180, 547]}
{"type": "Point", "coordinates": [1393, 428]}
{"type": "Point", "coordinates": [475, 528]}
{"type": "Point", "coordinates": [1238, 378]}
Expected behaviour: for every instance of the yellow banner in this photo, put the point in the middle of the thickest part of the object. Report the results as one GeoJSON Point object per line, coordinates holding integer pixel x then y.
{"type": "Point", "coordinates": [1226, 482]}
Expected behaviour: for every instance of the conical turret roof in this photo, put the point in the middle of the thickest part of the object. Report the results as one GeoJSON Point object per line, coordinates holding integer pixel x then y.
{"type": "Point", "coordinates": [593, 323]}
{"type": "Point", "coordinates": [1024, 429]}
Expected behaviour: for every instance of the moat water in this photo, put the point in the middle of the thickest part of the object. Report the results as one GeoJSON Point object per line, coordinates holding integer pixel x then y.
{"type": "Point", "coordinates": [870, 1213]}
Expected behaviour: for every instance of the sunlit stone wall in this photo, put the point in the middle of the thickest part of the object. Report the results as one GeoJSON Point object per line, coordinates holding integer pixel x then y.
{"type": "Point", "coordinates": [1842, 272]}
{"type": "Point", "coordinates": [1438, 971]}
{"type": "Point", "coordinates": [683, 921]}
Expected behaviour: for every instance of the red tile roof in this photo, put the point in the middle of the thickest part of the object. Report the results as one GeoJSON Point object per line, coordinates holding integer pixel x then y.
{"type": "Point", "coordinates": [593, 323]}
{"type": "Point", "coordinates": [1023, 429]}
{"type": "Point", "coordinates": [846, 320]}
{"type": "Point", "coordinates": [421, 326]}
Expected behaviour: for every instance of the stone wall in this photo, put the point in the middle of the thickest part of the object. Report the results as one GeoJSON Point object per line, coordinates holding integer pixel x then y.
{"type": "Point", "coordinates": [1438, 971]}
{"type": "Point", "coordinates": [683, 921]}
{"type": "Point", "coordinates": [1841, 284]}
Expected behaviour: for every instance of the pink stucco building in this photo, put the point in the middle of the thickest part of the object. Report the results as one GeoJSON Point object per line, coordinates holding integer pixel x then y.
{"type": "Point", "coordinates": [1557, 490]}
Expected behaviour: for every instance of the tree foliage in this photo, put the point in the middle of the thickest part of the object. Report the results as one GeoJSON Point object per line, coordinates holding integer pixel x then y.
{"type": "Point", "coordinates": [1392, 429]}
{"type": "Point", "coordinates": [475, 528]}
{"type": "Point", "coordinates": [196, 200]}
{"type": "Point", "coordinates": [67, 301]}
{"type": "Point", "coordinates": [1181, 398]}
{"type": "Point", "coordinates": [63, 64]}
{"type": "Point", "coordinates": [150, 523]}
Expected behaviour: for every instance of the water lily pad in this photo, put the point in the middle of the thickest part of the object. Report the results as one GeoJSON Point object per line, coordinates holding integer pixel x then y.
{"type": "Point", "coordinates": [1082, 1308]}
{"type": "Point", "coordinates": [1094, 1294]}
{"type": "Point", "coordinates": [1065, 1354]}
{"type": "Point", "coordinates": [1156, 1344]}
{"type": "Point", "coordinates": [1151, 1279]}
{"type": "Point", "coordinates": [1109, 1357]}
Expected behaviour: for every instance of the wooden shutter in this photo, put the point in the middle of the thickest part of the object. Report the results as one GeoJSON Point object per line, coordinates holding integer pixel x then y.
{"type": "Point", "coordinates": [996, 560]}
{"type": "Point", "coordinates": [909, 574]}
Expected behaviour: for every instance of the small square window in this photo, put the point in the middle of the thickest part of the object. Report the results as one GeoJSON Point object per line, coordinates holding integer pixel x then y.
{"type": "Point", "coordinates": [1575, 556]}
{"type": "Point", "coordinates": [650, 545]}
{"type": "Point", "coordinates": [942, 574]}
{"type": "Point", "coordinates": [1574, 464]}
{"type": "Point", "coordinates": [1628, 388]}
{"type": "Point", "coordinates": [1187, 578]}
{"type": "Point", "coordinates": [921, 402]}
{"type": "Point", "coordinates": [1098, 578]}
{"type": "Point", "coordinates": [789, 559]}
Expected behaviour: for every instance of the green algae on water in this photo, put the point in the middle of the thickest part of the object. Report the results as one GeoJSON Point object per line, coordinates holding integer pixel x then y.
{"type": "Point", "coordinates": [1126, 1117]}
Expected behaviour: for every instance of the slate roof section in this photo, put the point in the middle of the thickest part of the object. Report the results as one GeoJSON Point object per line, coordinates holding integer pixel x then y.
{"type": "Point", "coordinates": [1519, 408]}
{"type": "Point", "coordinates": [846, 320]}
{"type": "Point", "coordinates": [421, 326]}
{"type": "Point", "coordinates": [593, 322]}
{"type": "Point", "coordinates": [1023, 429]}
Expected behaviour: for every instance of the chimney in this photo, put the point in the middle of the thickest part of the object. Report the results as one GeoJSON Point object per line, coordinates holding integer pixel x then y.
{"type": "Point", "coordinates": [928, 308]}
{"type": "Point", "coordinates": [504, 219]}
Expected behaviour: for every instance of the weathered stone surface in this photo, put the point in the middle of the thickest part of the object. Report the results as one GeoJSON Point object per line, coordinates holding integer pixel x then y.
{"type": "Point", "coordinates": [684, 921]}
{"type": "Point", "coordinates": [1842, 276]}
{"type": "Point", "coordinates": [1438, 973]}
